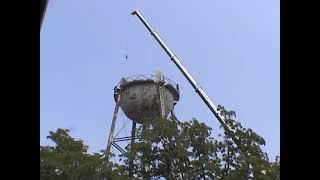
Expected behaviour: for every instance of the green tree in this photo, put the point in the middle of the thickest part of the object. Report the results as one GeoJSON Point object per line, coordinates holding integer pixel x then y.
{"type": "Point", "coordinates": [166, 148]}
{"type": "Point", "coordinates": [186, 150]}
{"type": "Point", "coordinates": [69, 159]}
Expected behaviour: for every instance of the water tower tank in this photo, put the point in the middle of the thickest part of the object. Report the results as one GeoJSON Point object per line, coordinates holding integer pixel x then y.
{"type": "Point", "coordinates": [140, 97]}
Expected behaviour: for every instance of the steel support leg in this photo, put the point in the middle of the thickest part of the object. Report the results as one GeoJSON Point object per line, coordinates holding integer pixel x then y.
{"type": "Point", "coordinates": [114, 119]}
{"type": "Point", "coordinates": [133, 136]}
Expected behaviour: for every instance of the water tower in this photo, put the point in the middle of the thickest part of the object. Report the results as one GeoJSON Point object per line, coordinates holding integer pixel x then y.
{"type": "Point", "coordinates": [140, 97]}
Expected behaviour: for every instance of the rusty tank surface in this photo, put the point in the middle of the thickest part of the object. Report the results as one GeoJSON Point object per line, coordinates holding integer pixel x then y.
{"type": "Point", "coordinates": [140, 96]}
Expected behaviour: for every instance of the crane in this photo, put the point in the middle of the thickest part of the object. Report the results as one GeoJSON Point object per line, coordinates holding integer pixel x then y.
{"type": "Point", "coordinates": [214, 109]}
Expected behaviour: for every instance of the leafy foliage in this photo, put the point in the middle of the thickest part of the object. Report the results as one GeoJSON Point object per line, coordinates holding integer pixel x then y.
{"type": "Point", "coordinates": [186, 150]}
{"type": "Point", "coordinates": [166, 148]}
{"type": "Point", "coordinates": [69, 159]}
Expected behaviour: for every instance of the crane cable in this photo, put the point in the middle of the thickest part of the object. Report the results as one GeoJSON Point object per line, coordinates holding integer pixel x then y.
{"type": "Point", "coordinates": [126, 38]}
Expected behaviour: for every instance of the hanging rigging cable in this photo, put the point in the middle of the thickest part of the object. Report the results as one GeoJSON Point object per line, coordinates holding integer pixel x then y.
{"type": "Point", "coordinates": [123, 127]}
{"type": "Point", "coordinates": [124, 122]}
{"type": "Point", "coordinates": [126, 48]}
{"type": "Point", "coordinates": [126, 36]}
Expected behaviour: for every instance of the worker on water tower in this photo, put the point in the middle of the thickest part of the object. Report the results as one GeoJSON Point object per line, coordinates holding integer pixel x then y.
{"type": "Point", "coordinates": [159, 77]}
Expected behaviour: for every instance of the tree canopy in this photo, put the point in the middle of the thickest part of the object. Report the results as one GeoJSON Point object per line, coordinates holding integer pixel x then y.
{"type": "Point", "coordinates": [166, 148]}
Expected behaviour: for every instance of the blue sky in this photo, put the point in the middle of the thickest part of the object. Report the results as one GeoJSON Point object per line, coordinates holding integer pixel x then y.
{"type": "Point", "coordinates": [232, 48]}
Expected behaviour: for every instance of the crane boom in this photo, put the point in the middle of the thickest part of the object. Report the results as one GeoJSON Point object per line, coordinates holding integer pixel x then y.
{"type": "Point", "coordinates": [189, 77]}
